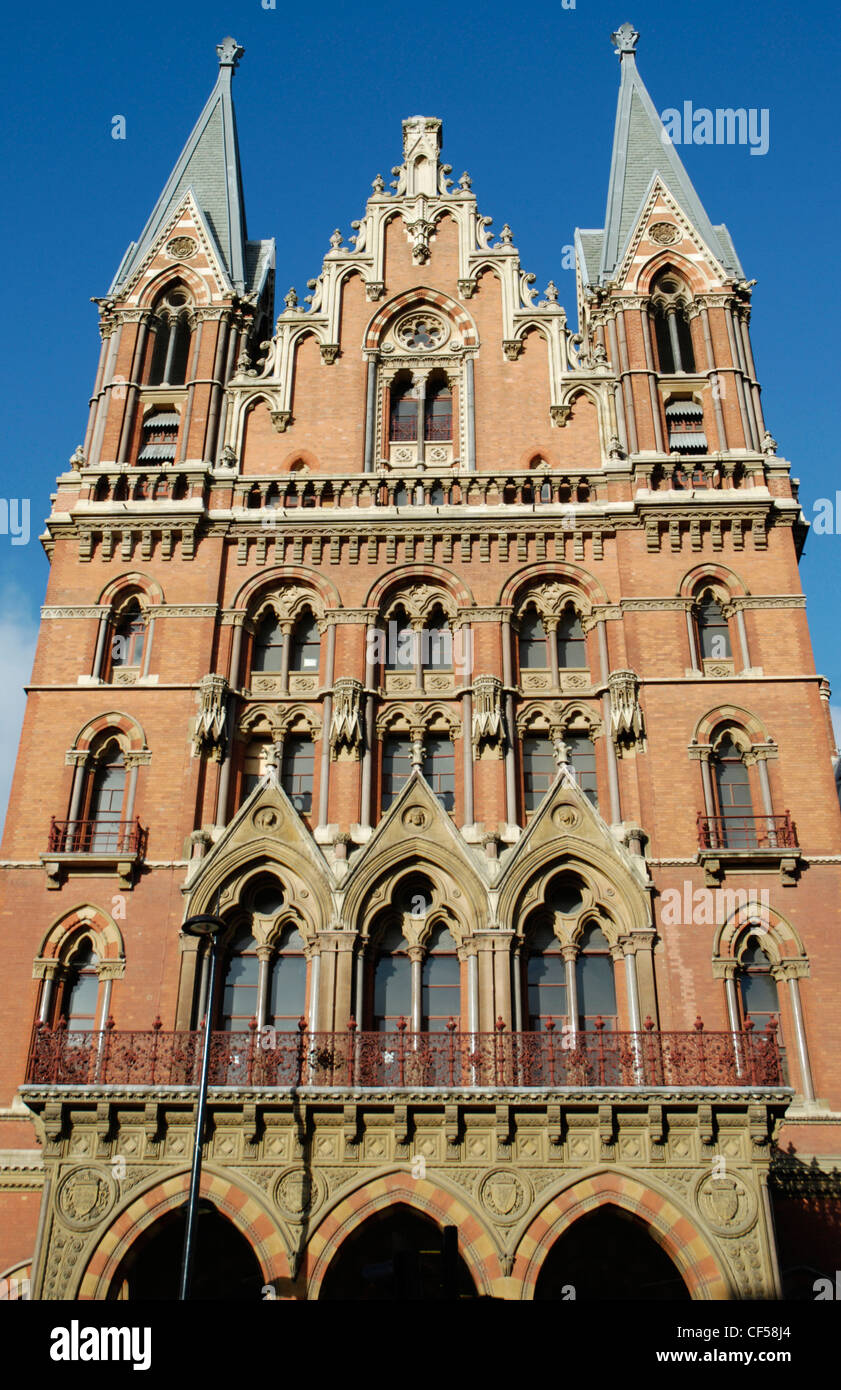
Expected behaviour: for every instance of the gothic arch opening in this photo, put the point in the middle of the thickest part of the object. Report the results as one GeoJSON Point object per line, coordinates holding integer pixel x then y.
{"type": "Point", "coordinates": [224, 1267]}
{"type": "Point", "coordinates": [400, 1255]}
{"type": "Point", "coordinates": [608, 1255]}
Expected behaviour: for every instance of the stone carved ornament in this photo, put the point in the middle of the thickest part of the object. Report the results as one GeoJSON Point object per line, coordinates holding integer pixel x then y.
{"type": "Point", "coordinates": [625, 712]}
{"type": "Point", "coordinates": [209, 736]}
{"type": "Point", "coordinates": [488, 721]}
{"type": "Point", "coordinates": [346, 723]}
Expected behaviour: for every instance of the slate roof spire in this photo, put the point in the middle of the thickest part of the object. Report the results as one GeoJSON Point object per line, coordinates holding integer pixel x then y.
{"type": "Point", "coordinates": [209, 165]}
{"type": "Point", "coordinates": [642, 150]}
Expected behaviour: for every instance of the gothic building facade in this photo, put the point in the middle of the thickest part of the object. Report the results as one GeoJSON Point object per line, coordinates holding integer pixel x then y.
{"type": "Point", "coordinates": [458, 662]}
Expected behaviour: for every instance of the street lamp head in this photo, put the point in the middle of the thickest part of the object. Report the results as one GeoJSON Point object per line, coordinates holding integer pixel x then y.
{"type": "Point", "coordinates": [204, 924]}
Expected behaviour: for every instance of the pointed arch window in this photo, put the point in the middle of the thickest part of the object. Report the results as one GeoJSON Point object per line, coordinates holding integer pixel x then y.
{"type": "Point", "coordinates": [239, 1002]}
{"type": "Point", "coordinates": [439, 642]}
{"type": "Point", "coordinates": [396, 766]}
{"type": "Point", "coordinates": [438, 409]}
{"type": "Point", "coordinates": [672, 335]}
{"type": "Point", "coordinates": [403, 410]}
{"type": "Point", "coordinates": [287, 990]}
{"type": "Point", "coordinates": [734, 804]}
{"type": "Point", "coordinates": [298, 769]}
{"type": "Point", "coordinates": [582, 757]}
{"type": "Point", "coordinates": [171, 350]}
{"type": "Point", "coordinates": [539, 768]}
{"type": "Point", "coordinates": [595, 986]}
{"type": "Point", "coordinates": [306, 644]}
{"type": "Point", "coordinates": [572, 644]}
{"type": "Point", "coordinates": [255, 763]}
{"type": "Point", "coordinates": [440, 983]}
{"type": "Point", "coordinates": [546, 990]}
{"type": "Point", "coordinates": [106, 800]}
{"type": "Point", "coordinates": [128, 636]}
{"type": "Point", "coordinates": [400, 641]}
{"type": "Point", "coordinates": [439, 768]}
{"type": "Point", "coordinates": [392, 992]}
{"type": "Point", "coordinates": [532, 642]}
{"type": "Point", "coordinates": [268, 644]}
{"type": "Point", "coordinates": [712, 628]}
{"type": "Point", "coordinates": [77, 1006]}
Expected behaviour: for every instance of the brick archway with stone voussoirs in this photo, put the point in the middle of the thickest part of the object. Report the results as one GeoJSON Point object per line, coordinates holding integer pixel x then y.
{"type": "Point", "coordinates": [475, 1244]}
{"type": "Point", "coordinates": [688, 1249]}
{"type": "Point", "coordinates": [247, 1214]}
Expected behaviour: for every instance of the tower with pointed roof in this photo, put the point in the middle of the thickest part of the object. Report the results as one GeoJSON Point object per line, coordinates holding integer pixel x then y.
{"type": "Point", "coordinates": [458, 661]}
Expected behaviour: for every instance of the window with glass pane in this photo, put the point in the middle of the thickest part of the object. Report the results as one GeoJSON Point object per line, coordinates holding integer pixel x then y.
{"type": "Point", "coordinates": [439, 643]}
{"type": "Point", "coordinates": [713, 629]}
{"type": "Point", "coordinates": [287, 994]}
{"type": "Point", "coordinates": [81, 990]}
{"type": "Point", "coordinates": [440, 983]}
{"type": "Point", "coordinates": [545, 980]}
{"type": "Point", "coordinates": [297, 770]}
{"type": "Point", "coordinates": [532, 642]}
{"type": "Point", "coordinates": [400, 642]}
{"type": "Point", "coordinates": [268, 645]}
{"type": "Point", "coordinates": [127, 640]}
{"type": "Point", "coordinates": [439, 768]}
{"type": "Point", "coordinates": [306, 644]}
{"type": "Point", "coordinates": [539, 769]}
{"type": "Point", "coordinates": [392, 996]}
{"type": "Point", "coordinates": [403, 413]}
{"type": "Point", "coordinates": [106, 804]}
{"type": "Point", "coordinates": [758, 996]}
{"type": "Point", "coordinates": [397, 766]}
{"type": "Point", "coordinates": [572, 647]}
{"type": "Point", "coordinates": [254, 765]}
{"type": "Point", "coordinates": [239, 989]}
{"type": "Point", "coordinates": [594, 981]}
{"type": "Point", "coordinates": [582, 755]}
{"type": "Point", "coordinates": [733, 795]}
{"type": "Point", "coordinates": [439, 410]}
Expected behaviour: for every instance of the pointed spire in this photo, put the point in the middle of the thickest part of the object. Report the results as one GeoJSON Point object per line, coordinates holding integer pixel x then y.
{"type": "Point", "coordinates": [642, 150]}
{"type": "Point", "coordinates": [209, 166]}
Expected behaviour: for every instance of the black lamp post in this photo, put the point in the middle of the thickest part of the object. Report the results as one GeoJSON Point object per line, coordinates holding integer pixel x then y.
{"type": "Point", "coordinates": [203, 925]}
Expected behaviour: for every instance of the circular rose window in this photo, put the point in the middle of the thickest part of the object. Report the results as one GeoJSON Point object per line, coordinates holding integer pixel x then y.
{"type": "Point", "coordinates": [420, 332]}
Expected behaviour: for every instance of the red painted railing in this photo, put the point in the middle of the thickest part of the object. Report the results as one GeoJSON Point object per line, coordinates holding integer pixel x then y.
{"type": "Point", "coordinates": [747, 832]}
{"type": "Point", "coordinates": [96, 837]}
{"type": "Point", "coordinates": [555, 1057]}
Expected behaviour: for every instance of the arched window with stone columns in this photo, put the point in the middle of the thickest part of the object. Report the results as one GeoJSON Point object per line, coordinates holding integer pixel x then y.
{"type": "Point", "coordinates": [760, 956]}
{"type": "Point", "coordinates": [734, 749]}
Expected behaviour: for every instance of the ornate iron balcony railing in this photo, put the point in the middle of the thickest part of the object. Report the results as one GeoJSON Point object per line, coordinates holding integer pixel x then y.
{"type": "Point", "coordinates": [96, 837]}
{"type": "Point", "coordinates": [267, 1057]}
{"type": "Point", "coordinates": [747, 832]}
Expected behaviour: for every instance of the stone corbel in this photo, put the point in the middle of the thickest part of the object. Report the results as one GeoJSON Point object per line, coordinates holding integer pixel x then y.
{"type": "Point", "coordinates": [488, 730]}
{"type": "Point", "coordinates": [346, 723]}
{"type": "Point", "coordinates": [467, 288]}
{"type": "Point", "coordinates": [512, 347]}
{"type": "Point", "coordinates": [374, 289]}
{"type": "Point", "coordinates": [329, 353]}
{"type": "Point", "coordinates": [281, 419]}
{"type": "Point", "coordinates": [626, 721]}
{"type": "Point", "coordinates": [209, 735]}
{"type": "Point", "coordinates": [559, 414]}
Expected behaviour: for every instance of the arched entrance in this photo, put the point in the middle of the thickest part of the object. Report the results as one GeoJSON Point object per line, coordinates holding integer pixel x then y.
{"type": "Point", "coordinates": [608, 1254]}
{"type": "Point", "coordinates": [398, 1254]}
{"type": "Point", "coordinates": [224, 1267]}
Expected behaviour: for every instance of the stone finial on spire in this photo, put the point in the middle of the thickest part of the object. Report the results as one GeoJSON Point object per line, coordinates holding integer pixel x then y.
{"type": "Point", "coordinates": [229, 52]}
{"type": "Point", "coordinates": [625, 40]}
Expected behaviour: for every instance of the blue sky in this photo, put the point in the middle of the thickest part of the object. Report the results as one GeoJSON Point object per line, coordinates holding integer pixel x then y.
{"type": "Point", "coordinates": [527, 94]}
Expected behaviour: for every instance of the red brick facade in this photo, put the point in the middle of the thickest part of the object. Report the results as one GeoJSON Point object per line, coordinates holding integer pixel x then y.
{"type": "Point", "coordinates": [559, 485]}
